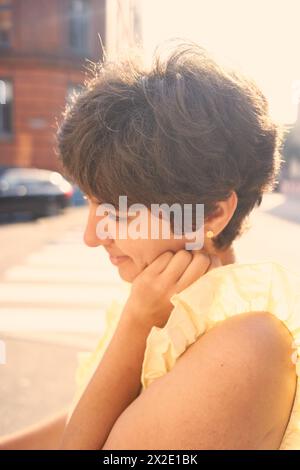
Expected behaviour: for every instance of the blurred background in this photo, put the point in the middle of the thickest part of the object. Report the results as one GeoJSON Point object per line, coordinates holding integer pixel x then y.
{"type": "Point", "coordinates": [53, 289]}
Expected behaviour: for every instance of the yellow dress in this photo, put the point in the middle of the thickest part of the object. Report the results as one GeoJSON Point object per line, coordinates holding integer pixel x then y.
{"type": "Point", "coordinates": [225, 291]}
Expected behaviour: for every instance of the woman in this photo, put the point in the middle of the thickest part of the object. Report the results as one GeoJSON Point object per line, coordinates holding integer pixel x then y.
{"type": "Point", "coordinates": [202, 353]}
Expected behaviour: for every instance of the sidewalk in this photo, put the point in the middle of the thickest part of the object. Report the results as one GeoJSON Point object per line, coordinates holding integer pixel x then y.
{"type": "Point", "coordinates": [37, 381]}
{"type": "Point", "coordinates": [52, 307]}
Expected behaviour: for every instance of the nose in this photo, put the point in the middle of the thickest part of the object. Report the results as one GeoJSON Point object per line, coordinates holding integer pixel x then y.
{"type": "Point", "coordinates": [90, 237]}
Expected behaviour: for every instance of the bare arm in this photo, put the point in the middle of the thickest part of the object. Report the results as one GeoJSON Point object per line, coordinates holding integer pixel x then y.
{"type": "Point", "coordinates": [233, 388]}
{"type": "Point", "coordinates": [45, 435]}
{"type": "Point", "coordinates": [116, 382]}
{"type": "Point", "coordinates": [113, 387]}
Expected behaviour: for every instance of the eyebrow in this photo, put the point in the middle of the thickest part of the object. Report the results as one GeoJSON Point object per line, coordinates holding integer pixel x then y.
{"type": "Point", "coordinates": [99, 202]}
{"type": "Point", "coordinates": [128, 214]}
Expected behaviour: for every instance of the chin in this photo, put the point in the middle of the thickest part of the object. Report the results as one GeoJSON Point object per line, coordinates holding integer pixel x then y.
{"type": "Point", "coordinates": [127, 275]}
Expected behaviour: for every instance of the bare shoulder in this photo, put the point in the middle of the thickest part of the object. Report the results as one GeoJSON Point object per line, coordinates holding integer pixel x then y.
{"type": "Point", "coordinates": [258, 335]}
{"type": "Point", "coordinates": [233, 388]}
{"type": "Point", "coordinates": [256, 347]}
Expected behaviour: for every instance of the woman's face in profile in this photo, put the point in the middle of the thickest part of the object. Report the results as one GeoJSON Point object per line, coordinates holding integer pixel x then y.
{"type": "Point", "coordinates": [136, 253]}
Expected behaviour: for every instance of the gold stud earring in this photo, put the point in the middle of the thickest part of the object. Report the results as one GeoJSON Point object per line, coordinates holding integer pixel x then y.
{"type": "Point", "coordinates": [209, 233]}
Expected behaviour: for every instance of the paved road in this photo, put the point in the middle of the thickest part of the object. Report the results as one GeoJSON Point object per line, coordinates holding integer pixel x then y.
{"type": "Point", "coordinates": [274, 233]}
{"type": "Point", "coordinates": [53, 292]}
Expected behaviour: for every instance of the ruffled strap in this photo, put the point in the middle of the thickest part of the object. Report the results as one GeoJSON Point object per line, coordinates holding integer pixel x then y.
{"type": "Point", "coordinates": [223, 292]}
{"type": "Point", "coordinates": [87, 361]}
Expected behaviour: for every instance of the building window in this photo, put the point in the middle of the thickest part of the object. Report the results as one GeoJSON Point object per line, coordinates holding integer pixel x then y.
{"type": "Point", "coordinates": [80, 14]}
{"type": "Point", "coordinates": [6, 99]}
{"type": "Point", "coordinates": [5, 23]}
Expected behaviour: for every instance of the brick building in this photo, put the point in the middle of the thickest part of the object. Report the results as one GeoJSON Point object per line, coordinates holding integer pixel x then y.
{"type": "Point", "coordinates": [43, 50]}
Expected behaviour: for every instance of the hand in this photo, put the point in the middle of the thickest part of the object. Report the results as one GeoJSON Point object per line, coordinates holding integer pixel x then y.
{"type": "Point", "coordinates": [149, 300]}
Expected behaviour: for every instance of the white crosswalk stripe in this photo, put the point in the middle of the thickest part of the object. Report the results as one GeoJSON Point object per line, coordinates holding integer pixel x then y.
{"type": "Point", "coordinates": [60, 293]}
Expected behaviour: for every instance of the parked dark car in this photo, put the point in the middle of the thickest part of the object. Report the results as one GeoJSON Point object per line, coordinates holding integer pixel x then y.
{"type": "Point", "coordinates": [33, 191]}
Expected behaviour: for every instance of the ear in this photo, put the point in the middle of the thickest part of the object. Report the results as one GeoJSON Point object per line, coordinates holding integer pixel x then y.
{"type": "Point", "coordinates": [223, 214]}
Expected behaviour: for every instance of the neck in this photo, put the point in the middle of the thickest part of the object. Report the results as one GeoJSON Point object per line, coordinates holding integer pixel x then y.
{"type": "Point", "coordinates": [227, 256]}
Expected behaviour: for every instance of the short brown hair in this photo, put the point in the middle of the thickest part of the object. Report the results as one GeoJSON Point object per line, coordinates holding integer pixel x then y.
{"type": "Point", "coordinates": [187, 130]}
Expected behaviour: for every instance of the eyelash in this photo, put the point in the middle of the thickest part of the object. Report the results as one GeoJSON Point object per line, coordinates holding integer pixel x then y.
{"type": "Point", "coordinates": [116, 217]}
{"type": "Point", "coordinates": [112, 216]}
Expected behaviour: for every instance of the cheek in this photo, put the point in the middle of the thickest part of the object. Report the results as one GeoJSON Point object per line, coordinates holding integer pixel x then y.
{"type": "Point", "coordinates": [139, 252]}
{"type": "Point", "coordinates": [143, 252]}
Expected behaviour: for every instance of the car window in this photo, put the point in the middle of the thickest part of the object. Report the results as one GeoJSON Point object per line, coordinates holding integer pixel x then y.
{"type": "Point", "coordinates": [28, 182]}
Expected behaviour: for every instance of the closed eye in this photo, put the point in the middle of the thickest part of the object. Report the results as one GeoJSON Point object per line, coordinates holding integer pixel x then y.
{"type": "Point", "coordinates": [117, 217]}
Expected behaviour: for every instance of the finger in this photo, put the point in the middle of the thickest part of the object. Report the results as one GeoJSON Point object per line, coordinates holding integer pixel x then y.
{"type": "Point", "coordinates": [199, 266]}
{"type": "Point", "coordinates": [160, 263]}
{"type": "Point", "coordinates": [215, 260]}
{"type": "Point", "coordinates": [176, 266]}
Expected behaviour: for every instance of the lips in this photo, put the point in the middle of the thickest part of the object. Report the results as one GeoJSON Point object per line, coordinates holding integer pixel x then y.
{"type": "Point", "coordinates": [117, 259]}
{"type": "Point", "coordinates": [115, 256]}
